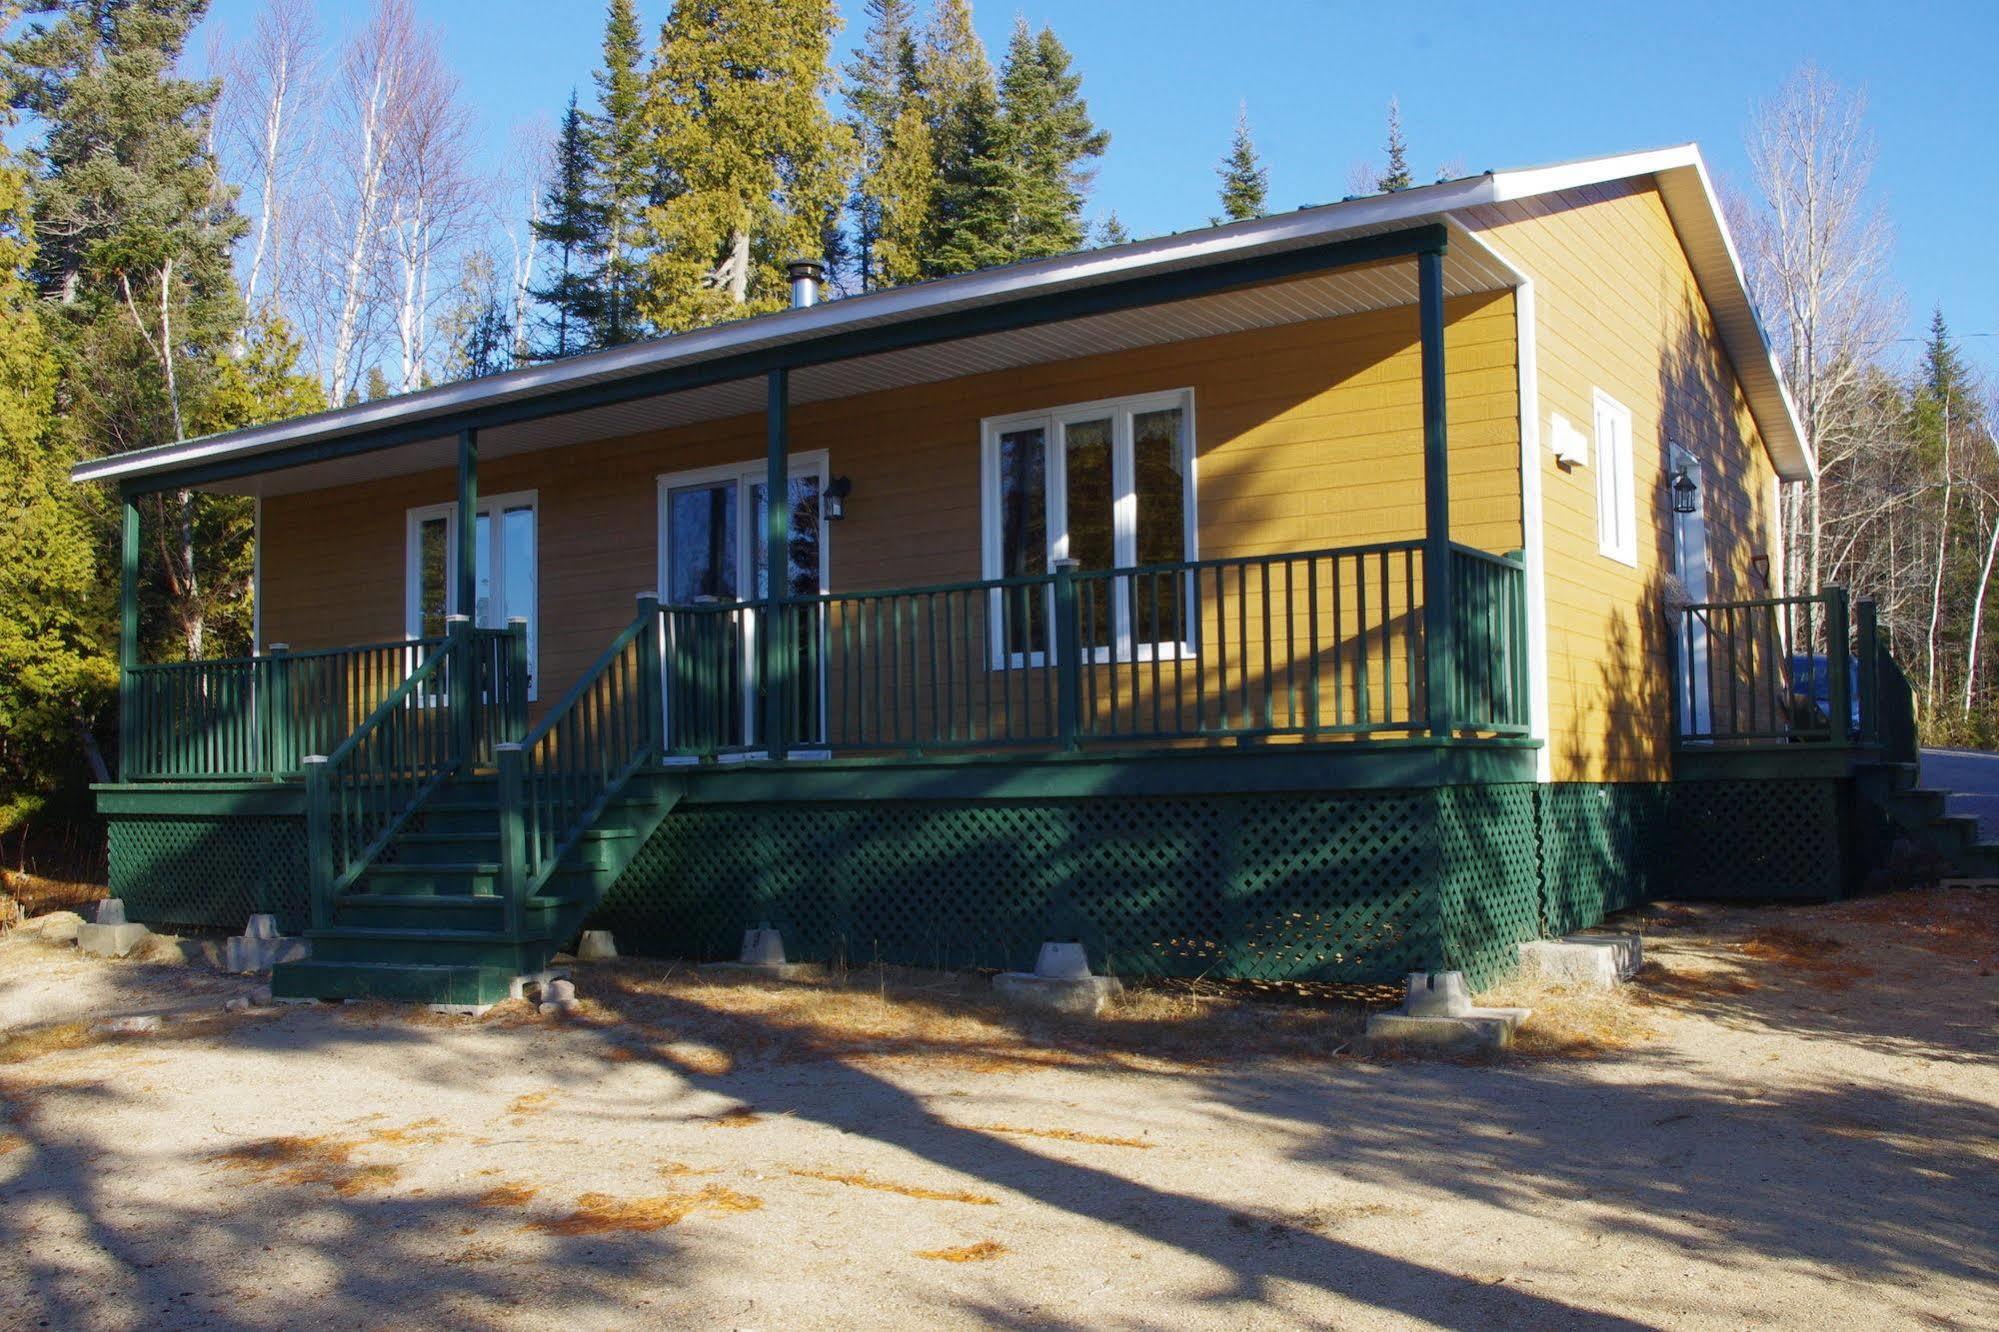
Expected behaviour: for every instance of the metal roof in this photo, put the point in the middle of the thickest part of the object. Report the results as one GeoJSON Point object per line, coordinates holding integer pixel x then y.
{"type": "Point", "coordinates": [818, 332]}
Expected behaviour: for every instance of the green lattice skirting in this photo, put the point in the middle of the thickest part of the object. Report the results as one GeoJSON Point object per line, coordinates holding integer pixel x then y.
{"type": "Point", "coordinates": [185, 870]}
{"type": "Point", "coordinates": [1359, 886]}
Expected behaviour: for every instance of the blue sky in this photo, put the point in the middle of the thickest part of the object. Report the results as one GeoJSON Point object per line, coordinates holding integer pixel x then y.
{"type": "Point", "coordinates": [1481, 86]}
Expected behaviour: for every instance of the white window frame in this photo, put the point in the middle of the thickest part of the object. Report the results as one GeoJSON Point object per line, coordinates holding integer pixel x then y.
{"type": "Point", "coordinates": [813, 463]}
{"type": "Point", "coordinates": [1616, 481]}
{"type": "Point", "coordinates": [1053, 421]}
{"type": "Point", "coordinates": [492, 506]}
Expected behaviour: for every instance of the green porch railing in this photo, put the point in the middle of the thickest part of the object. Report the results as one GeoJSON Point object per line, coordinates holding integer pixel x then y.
{"type": "Point", "coordinates": [258, 717]}
{"type": "Point", "coordinates": [1489, 642]}
{"type": "Point", "coordinates": [1314, 645]}
{"type": "Point", "coordinates": [555, 782]}
{"type": "Point", "coordinates": [455, 711]}
{"type": "Point", "coordinates": [1768, 670]}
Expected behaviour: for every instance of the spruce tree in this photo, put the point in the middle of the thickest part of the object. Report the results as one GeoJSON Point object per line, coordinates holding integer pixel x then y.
{"type": "Point", "coordinates": [1397, 176]}
{"type": "Point", "coordinates": [1047, 129]}
{"type": "Point", "coordinates": [624, 176]}
{"type": "Point", "coordinates": [753, 161]}
{"type": "Point", "coordinates": [573, 229]}
{"type": "Point", "coordinates": [959, 103]}
{"type": "Point", "coordinates": [973, 223]}
{"type": "Point", "coordinates": [1112, 231]}
{"type": "Point", "coordinates": [896, 184]}
{"type": "Point", "coordinates": [1245, 183]}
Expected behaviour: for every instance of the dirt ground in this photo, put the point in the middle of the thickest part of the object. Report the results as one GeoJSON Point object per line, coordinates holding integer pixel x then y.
{"type": "Point", "coordinates": [1792, 1118]}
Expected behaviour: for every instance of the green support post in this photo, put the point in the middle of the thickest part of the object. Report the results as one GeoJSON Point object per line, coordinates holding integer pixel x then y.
{"type": "Point", "coordinates": [278, 711]}
{"type": "Point", "coordinates": [1867, 641]}
{"type": "Point", "coordinates": [458, 684]}
{"type": "Point", "coordinates": [319, 840]}
{"type": "Point", "coordinates": [465, 587]}
{"type": "Point", "coordinates": [777, 563]}
{"type": "Point", "coordinates": [652, 682]}
{"type": "Point", "coordinates": [1068, 664]}
{"type": "Point", "coordinates": [128, 639]}
{"type": "Point", "coordinates": [513, 835]}
{"type": "Point", "coordinates": [1838, 673]}
{"type": "Point", "coordinates": [1439, 661]}
{"type": "Point", "coordinates": [515, 718]}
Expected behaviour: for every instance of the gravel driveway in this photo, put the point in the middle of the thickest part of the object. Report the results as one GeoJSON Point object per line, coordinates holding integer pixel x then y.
{"type": "Point", "coordinates": [1799, 1124]}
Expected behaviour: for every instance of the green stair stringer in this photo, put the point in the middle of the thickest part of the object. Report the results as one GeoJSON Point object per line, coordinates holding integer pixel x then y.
{"type": "Point", "coordinates": [425, 924]}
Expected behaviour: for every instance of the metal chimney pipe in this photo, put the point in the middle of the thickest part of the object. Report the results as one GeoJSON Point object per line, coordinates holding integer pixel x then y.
{"type": "Point", "coordinates": [806, 276]}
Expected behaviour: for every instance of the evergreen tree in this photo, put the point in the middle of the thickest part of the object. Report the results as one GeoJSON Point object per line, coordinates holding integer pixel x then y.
{"type": "Point", "coordinates": [1047, 129]}
{"type": "Point", "coordinates": [1245, 183]}
{"type": "Point", "coordinates": [624, 176]}
{"type": "Point", "coordinates": [972, 223]}
{"type": "Point", "coordinates": [1397, 176]}
{"type": "Point", "coordinates": [58, 669]}
{"type": "Point", "coordinates": [135, 229]}
{"type": "Point", "coordinates": [377, 385]}
{"type": "Point", "coordinates": [1111, 231]}
{"type": "Point", "coordinates": [959, 104]}
{"type": "Point", "coordinates": [896, 185]}
{"type": "Point", "coordinates": [753, 162]}
{"type": "Point", "coordinates": [573, 228]}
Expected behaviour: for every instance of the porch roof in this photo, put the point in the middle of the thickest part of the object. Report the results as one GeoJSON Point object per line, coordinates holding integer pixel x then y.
{"type": "Point", "coordinates": [1148, 292]}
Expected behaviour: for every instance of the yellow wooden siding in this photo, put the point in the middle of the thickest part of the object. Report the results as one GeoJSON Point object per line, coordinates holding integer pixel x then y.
{"type": "Point", "coordinates": [1307, 436]}
{"type": "Point", "coordinates": [1618, 309]}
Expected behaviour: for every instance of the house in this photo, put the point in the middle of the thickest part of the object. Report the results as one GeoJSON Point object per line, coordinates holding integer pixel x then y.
{"type": "Point", "coordinates": [1326, 596]}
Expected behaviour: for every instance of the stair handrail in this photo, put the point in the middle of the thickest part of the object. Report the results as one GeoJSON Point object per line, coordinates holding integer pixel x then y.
{"type": "Point", "coordinates": [556, 781]}
{"type": "Point", "coordinates": [358, 799]}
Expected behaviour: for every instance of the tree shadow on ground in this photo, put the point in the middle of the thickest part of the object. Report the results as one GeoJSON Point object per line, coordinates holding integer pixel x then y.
{"type": "Point", "coordinates": [1879, 1183]}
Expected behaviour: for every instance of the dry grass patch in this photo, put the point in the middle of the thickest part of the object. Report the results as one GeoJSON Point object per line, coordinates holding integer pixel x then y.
{"type": "Point", "coordinates": [982, 1252]}
{"type": "Point", "coordinates": [530, 1103]}
{"type": "Point", "coordinates": [1570, 1021]}
{"type": "Point", "coordinates": [601, 1214]}
{"type": "Point", "coordinates": [711, 1024]}
{"type": "Point", "coordinates": [1817, 957]}
{"type": "Point", "coordinates": [864, 1180]}
{"type": "Point", "coordinates": [1059, 1135]}
{"type": "Point", "coordinates": [506, 1195]}
{"type": "Point", "coordinates": [17, 1047]}
{"type": "Point", "coordinates": [1958, 923]}
{"type": "Point", "coordinates": [303, 1161]}
{"type": "Point", "coordinates": [37, 894]}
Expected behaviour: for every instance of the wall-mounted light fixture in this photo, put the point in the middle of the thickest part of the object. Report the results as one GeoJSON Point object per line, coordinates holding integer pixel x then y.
{"type": "Point", "coordinates": [1686, 492]}
{"type": "Point", "coordinates": [837, 491]}
{"type": "Point", "coordinates": [1760, 566]}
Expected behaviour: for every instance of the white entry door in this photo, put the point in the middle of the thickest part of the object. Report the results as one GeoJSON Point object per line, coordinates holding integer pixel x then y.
{"type": "Point", "coordinates": [1690, 566]}
{"type": "Point", "coordinates": [712, 552]}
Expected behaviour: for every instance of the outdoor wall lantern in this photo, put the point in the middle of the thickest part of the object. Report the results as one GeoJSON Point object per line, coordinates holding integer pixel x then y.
{"type": "Point", "coordinates": [837, 491]}
{"type": "Point", "coordinates": [1686, 492]}
{"type": "Point", "coordinates": [1760, 566]}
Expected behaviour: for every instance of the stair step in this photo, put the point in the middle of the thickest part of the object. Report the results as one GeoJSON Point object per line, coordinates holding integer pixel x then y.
{"type": "Point", "coordinates": [449, 911]}
{"type": "Point", "coordinates": [401, 982]}
{"type": "Point", "coordinates": [433, 947]}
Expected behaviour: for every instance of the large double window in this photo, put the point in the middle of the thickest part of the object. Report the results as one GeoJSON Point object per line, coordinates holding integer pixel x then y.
{"type": "Point", "coordinates": [1109, 485]}
{"type": "Point", "coordinates": [505, 576]}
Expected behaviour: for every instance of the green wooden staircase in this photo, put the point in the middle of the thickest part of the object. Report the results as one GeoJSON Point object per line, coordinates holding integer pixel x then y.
{"type": "Point", "coordinates": [447, 858]}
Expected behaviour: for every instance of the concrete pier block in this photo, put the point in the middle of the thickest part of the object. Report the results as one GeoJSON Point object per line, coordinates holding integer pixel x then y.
{"type": "Point", "coordinates": [1437, 1013]}
{"type": "Point", "coordinates": [596, 946]}
{"type": "Point", "coordinates": [111, 935]}
{"type": "Point", "coordinates": [260, 947]}
{"type": "Point", "coordinates": [763, 955]}
{"type": "Point", "coordinates": [1594, 961]}
{"type": "Point", "coordinates": [1060, 982]}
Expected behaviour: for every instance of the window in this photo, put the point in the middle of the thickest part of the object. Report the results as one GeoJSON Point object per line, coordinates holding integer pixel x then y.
{"type": "Point", "coordinates": [1616, 487]}
{"type": "Point", "coordinates": [1111, 486]}
{"type": "Point", "coordinates": [505, 577]}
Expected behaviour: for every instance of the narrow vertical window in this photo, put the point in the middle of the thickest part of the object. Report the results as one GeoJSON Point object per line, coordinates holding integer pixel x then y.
{"type": "Point", "coordinates": [433, 598]}
{"type": "Point", "coordinates": [1616, 482]}
{"type": "Point", "coordinates": [1023, 517]}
